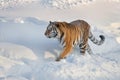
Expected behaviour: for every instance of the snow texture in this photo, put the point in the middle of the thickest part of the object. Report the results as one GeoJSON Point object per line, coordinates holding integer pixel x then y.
{"type": "Point", "coordinates": [18, 62]}
{"type": "Point", "coordinates": [26, 54]}
{"type": "Point", "coordinates": [60, 4]}
{"type": "Point", "coordinates": [64, 3]}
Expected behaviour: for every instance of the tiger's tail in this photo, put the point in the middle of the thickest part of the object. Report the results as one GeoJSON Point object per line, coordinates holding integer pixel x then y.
{"type": "Point", "coordinates": [95, 41]}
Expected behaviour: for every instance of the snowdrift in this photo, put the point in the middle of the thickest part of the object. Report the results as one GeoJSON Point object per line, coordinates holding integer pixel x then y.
{"type": "Point", "coordinates": [60, 4]}
{"type": "Point", "coordinates": [37, 61]}
{"type": "Point", "coordinates": [64, 3]}
{"type": "Point", "coordinates": [7, 4]}
{"type": "Point", "coordinates": [26, 54]}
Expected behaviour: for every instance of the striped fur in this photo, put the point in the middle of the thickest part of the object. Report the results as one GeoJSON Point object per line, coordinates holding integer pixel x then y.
{"type": "Point", "coordinates": [72, 34]}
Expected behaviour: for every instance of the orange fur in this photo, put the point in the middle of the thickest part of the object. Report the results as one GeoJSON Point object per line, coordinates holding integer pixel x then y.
{"type": "Point", "coordinates": [74, 32]}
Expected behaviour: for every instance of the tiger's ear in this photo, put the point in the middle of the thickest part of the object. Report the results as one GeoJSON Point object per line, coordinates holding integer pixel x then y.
{"type": "Point", "coordinates": [50, 22]}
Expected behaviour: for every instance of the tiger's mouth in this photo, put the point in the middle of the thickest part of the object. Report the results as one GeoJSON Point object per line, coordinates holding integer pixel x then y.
{"type": "Point", "coordinates": [51, 35]}
{"type": "Point", "coordinates": [54, 36]}
{"type": "Point", "coordinates": [48, 36]}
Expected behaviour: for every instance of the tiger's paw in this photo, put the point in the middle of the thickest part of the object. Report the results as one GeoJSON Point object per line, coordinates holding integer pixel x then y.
{"type": "Point", "coordinates": [58, 59]}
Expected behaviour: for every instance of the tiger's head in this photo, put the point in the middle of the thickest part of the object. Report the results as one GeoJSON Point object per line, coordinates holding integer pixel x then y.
{"type": "Point", "coordinates": [52, 30]}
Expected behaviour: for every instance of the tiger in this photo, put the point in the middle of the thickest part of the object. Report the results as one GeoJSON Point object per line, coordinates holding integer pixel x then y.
{"type": "Point", "coordinates": [75, 33]}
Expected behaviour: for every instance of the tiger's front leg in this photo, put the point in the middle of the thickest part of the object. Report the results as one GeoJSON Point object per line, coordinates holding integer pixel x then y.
{"type": "Point", "coordinates": [67, 49]}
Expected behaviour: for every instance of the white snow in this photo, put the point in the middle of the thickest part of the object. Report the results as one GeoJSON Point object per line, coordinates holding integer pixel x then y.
{"type": "Point", "coordinates": [26, 54]}
{"type": "Point", "coordinates": [7, 4]}
{"type": "Point", "coordinates": [64, 3]}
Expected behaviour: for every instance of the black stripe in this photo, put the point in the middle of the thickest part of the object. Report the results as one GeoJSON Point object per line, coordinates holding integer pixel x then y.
{"type": "Point", "coordinates": [89, 49]}
{"type": "Point", "coordinates": [63, 42]}
{"type": "Point", "coordinates": [55, 31]}
{"type": "Point", "coordinates": [73, 42]}
{"type": "Point", "coordinates": [61, 37]}
{"type": "Point", "coordinates": [83, 46]}
{"type": "Point", "coordinates": [82, 51]}
{"type": "Point", "coordinates": [102, 37]}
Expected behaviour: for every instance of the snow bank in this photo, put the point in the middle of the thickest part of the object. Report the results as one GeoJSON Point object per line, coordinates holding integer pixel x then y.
{"type": "Point", "coordinates": [12, 59]}
{"type": "Point", "coordinates": [11, 54]}
{"type": "Point", "coordinates": [26, 54]}
{"type": "Point", "coordinates": [38, 62]}
{"type": "Point", "coordinates": [78, 67]}
{"type": "Point", "coordinates": [64, 3]}
{"type": "Point", "coordinates": [53, 3]}
{"type": "Point", "coordinates": [6, 4]}
{"type": "Point", "coordinates": [61, 4]}
{"type": "Point", "coordinates": [30, 20]}
{"type": "Point", "coordinates": [16, 52]}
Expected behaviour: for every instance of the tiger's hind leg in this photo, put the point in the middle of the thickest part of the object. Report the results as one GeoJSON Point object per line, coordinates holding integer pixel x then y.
{"type": "Point", "coordinates": [82, 48]}
{"type": "Point", "coordinates": [84, 42]}
{"type": "Point", "coordinates": [89, 49]}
